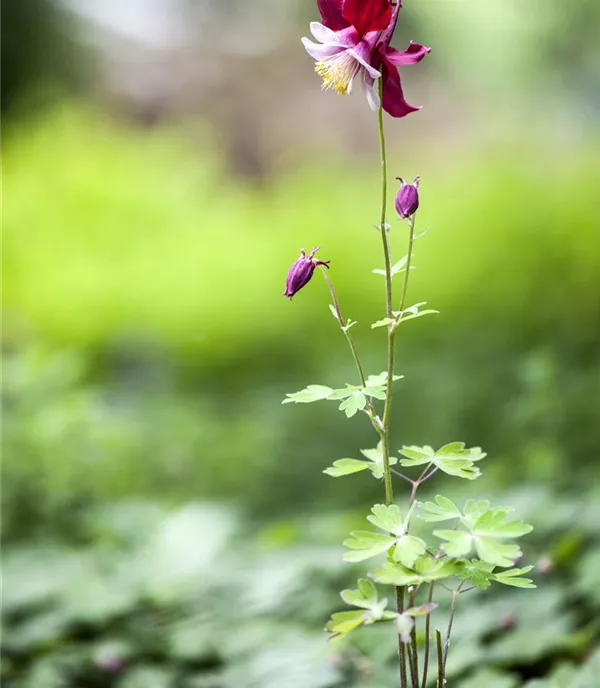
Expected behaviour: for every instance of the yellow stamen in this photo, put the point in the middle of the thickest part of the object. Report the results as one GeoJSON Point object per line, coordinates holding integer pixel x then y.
{"type": "Point", "coordinates": [337, 72]}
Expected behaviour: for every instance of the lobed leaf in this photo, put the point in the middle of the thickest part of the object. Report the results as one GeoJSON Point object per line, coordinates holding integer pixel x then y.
{"type": "Point", "coordinates": [365, 596]}
{"type": "Point", "coordinates": [495, 552]}
{"type": "Point", "coordinates": [458, 542]}
{"type": "Point", "coordinates": [308, 395]}
{"type": "Point", "coordinates": [366, 544]}
{"type": "Point", "coordinates": [513, 577]}
{"type": "Point", "coordinates": [478, 572]}
{"type": "Point", "coordinates": [346, 467]}
{"type": "Point", "coordinates": [388, 518]}
{"type": "Point", "coordinates": [353, 404]}
{"type": "Point", "coordinates": [443, 509]}
{"type": "Point", "coordinates": [408, 549]}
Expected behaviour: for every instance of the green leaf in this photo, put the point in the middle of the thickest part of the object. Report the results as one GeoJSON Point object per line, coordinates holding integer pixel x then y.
{"type": "Point", "coordinates": [346, 467]}
{"type": "Point", "coordinates": [430, 568]}
{"type": "Point", "coordinates": [396, 268]}
{"type": "Point", "coordinates": [513, 577]}
{"type": "Point", "coordinates": [451, 449]}
{"type": "Point", "coordinates": [416, 456]}
{"type": "Point", "coordinates": [343, 393]}
{"type": "Point", "coordinates": [308, 395]}
{"type": "Point", "coordinates": [376, 385]}
{"type": "Point", "coordinates": [452, 458]}
{"type": "Point", "coordinates": [353, 404]}
{"type": "Point", "coordinates": [426, 569]}
{"type": "Point", "coordinates": [342, 623]}
{"type": "Point", "coordinates": [473, 509]}
{"type": "Point", "coordinates": [366, 544]}
{"type": "Point", "coordinates": [408, 549]}
{"type": "Point", "coordinates": [377, 392]}
{"type": "Point", "coordinates": [376, 458]}
{"type": "Point", "coordinates": [387, 518]}
{"type": "Point", "coordinates": [396, 574]}
{"type": "Point", "coordinates": [382, 323]}
{"type": "Point", "coordinates": [381, 379]}
{"type": "Point", "coordinates": [493, 523]}
{"type": "Point", "coordinates": [365, 596]}
{"type": "Point", "coordinates": [459, 542]}
{"type": "Point", "coordinates": [496, 552]}
{"type": "Point", "coordinates": [442, 510]}
{"type": "Point", "coordinates": [413, 312]}
{"type": "Point", "coordinates": [478, 572]}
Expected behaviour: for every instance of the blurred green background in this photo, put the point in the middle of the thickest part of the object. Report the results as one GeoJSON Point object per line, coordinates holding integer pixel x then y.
{"type": "Point", "coordinates": [166, 520]}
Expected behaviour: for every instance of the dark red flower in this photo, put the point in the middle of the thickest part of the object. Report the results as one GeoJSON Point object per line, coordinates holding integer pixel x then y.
{"type": "Point", "coordinates": [355, 38]}
{"type": "Point", "coordinates": [301, 271]}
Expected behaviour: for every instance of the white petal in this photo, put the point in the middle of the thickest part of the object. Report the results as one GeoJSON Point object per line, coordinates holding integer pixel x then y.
{"type": "Point", "coordinates": [322, 33]}
{"type": "Point", "coordinates": [372, 71]}
{"type": "Point", "coordinates": [372, 93]}
{"type": "Point", "coordinates": [320, 52]}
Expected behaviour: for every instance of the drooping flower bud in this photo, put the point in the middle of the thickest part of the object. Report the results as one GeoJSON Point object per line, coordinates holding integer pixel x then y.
{"type": "Point", "coordinates": [407, 198]}
{"type": "Point", "coordinates": [301, 271]}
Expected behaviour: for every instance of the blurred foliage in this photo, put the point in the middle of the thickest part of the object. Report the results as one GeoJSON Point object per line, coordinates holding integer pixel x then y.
{"type": "Point", "coordinates": [192, 597]}
{"type": "Point", "coordinates": [41, 57]}
{"type": "Point", "coordinates": [148, 347]}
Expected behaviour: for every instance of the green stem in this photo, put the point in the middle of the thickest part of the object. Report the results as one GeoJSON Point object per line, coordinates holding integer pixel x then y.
{"type": "Point", "coordinates": [401, 645]}
{"type": "Point", "coordinates": [385, 422]}
{"type": "Point", "coordinates": [427, 631]}
{"type": "Point", "coordinates": [455, 594]}
{"type": "Point", "coordinates": [440, 660]}
{"type": "Point", "coordinates": [411, 241]}
{"type": "Point", "coordinates": [414, 649]}
{"type": "Point", "coordinates": [342, 323]}
{"type": "Point", "coordinates": [383, 228]}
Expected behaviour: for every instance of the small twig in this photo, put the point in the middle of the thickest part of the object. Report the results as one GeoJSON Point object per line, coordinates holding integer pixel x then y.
{"type": "Point", "coordinates": [432, 472]}
{"type": "Point", "coordinates": [401, 475]}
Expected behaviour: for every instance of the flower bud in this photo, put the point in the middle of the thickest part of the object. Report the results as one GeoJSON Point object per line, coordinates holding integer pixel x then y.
{"type": "Point", "coordinates": [301, 271]}
{"type": "Point", "coordinates": [407, 198]}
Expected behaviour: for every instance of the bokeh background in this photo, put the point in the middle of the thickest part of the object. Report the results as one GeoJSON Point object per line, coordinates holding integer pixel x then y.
{"type": "Point", "coordinates": [166, 519]}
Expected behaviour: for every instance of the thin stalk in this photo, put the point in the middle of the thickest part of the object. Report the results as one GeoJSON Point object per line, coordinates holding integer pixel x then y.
{"type": "Point", "coordinates": [455, 594]}
{"type": "Point", "coordinates": [427, 631]}
{"type": "Point", "coordinates": [414, 649]}
{"type": "Point", "coordinates": [345, 330]}
{"type": "Point", "coordinates": [411, 241]}
{"type": "Point", "coordinates": [440, 660]}
{"type": "Point", "coordinates": [401, 645]}
{"type": "Point", "coordinates": [385, 423]}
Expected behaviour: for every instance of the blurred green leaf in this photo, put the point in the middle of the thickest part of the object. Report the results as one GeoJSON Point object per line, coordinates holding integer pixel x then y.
{"type": "Point", "coordinates": [366, 544]}
{"type": "Point", "coordinates": [346, 467]}
{"type": "Point", "coordinates": [308, 395]}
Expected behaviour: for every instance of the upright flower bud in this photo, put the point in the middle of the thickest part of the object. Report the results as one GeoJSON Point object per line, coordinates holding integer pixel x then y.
{"type": "Point", "coordinates": [301, 271]}
{"type": "Point", "coordinates": [407, 198]}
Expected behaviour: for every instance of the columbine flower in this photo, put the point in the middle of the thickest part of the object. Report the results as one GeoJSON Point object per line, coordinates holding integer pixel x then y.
{"type": "Point", "coordinates": [301, 271]}
{"type": "Point", "coordinates": [355, 37]}
{"type": "Point", "coordinates": [407, 198]}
